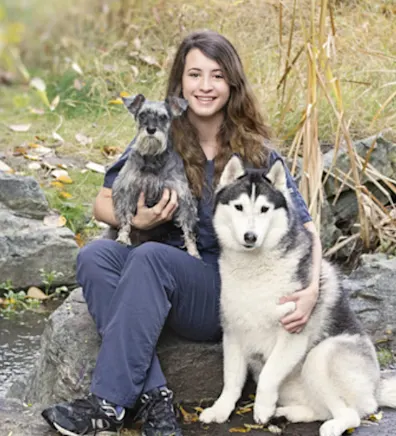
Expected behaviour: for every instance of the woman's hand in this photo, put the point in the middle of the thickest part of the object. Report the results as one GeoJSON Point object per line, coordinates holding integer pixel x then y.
{"type": "Point", "coordinates": [148, 217]}
{"type": "Point", "coordinates": [305, 302]}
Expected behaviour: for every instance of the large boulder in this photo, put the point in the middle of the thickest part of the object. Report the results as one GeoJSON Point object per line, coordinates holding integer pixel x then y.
{"type": "Point", "coordinates": [27, 244]}
{"type": "Point", "coordinates": [372, 294]}
{"type": "Point", "coordinates": [69, 347]}
{"type": "Point", "coordinates": [70, 342]}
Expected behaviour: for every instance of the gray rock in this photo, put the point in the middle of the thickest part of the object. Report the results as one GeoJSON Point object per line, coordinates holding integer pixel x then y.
{"type": "Point", "coordinates": [23, 196]}
{"type": "Point", "coordinates": [373, 298]}
{"type": "Point", "coordinates": [26, 243]}
{"type": "Point", "coordinates": [382, 158]}
{"type": "Point", "coordinates": [69, 347]}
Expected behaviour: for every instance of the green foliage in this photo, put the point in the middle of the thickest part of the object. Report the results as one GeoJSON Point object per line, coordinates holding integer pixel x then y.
{"type": "Point", "coordinates": [48, 278]}
{"type": "Point", "coordinates": [15, 301]}
{"type": "Point", "coordinates": [385, 357]}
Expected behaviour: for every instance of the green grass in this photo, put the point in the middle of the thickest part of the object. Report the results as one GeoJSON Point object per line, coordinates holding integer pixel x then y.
{"type": "Point", "coordinates": [110, 45]}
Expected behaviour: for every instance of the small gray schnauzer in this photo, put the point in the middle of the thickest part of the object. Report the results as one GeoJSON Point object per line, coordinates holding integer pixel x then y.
{"type": "Point", "coordinates": [152, 166]}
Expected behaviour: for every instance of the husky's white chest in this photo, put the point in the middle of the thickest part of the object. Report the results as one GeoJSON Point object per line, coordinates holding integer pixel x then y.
{"type": "Point", "coordinates": [251, 291]}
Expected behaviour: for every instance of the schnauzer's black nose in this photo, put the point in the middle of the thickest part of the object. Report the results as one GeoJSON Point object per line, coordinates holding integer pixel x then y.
{"type": "Point", "coordinates": [250, 237]}
{"type": "Point", "coordinates": [151, 130]}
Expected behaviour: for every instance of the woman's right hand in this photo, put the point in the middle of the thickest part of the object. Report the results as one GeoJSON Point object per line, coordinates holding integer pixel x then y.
{"type": "Point", "coordinates": [148, 217]}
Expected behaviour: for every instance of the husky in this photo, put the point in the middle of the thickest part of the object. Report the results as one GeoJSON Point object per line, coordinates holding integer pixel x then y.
{"type": "Point", "coordinates": [329, 372]}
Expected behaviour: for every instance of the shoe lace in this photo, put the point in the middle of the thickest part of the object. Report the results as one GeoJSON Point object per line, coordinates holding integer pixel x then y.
{"type": "Point", "coordinates": [92, 406]}
{"type": "Point", "coordinates": [157, 407]}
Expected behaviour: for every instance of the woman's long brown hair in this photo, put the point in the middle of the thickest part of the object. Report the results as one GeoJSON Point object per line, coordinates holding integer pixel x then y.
{"type": "Point", "coordinates": [243, 130]}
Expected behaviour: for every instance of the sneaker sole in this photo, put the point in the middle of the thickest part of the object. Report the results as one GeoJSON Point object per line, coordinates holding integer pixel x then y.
{"type": "Point", "coordinates": [65, 432]}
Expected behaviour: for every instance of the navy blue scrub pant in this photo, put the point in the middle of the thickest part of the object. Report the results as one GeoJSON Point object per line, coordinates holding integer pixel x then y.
{"type": "Point", "coordinates": [131, 292]}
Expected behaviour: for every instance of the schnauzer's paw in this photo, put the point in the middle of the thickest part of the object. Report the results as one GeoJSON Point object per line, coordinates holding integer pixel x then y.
{"type": "Point", "coordinates": [262, 413]}
{"type": "Point", "coordinates": [217, 413]}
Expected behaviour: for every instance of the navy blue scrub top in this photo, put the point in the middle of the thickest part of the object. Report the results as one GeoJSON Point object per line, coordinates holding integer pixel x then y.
{"type": "Point", "coordinates": [206, 238]}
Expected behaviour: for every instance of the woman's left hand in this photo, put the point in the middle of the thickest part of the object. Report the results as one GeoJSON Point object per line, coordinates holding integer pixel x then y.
{"type": "Point", "coordinates": [305, 302]}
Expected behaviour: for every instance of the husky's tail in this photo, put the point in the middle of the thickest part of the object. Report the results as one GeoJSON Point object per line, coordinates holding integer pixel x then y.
{"type": "Point", "coordinates": [387, 392]}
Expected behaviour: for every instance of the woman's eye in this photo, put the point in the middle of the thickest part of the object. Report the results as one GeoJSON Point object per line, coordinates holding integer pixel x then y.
{"type": "Point", "coordinates": [193, 74]}
{"type": "Point", "coordinates": [264, 209]}
{"type": "Point", "coordinates": [238, 207]}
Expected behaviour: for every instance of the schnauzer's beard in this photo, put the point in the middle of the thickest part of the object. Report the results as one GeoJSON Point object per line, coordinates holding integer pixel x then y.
{"type": "Point", "coordinates": [150, 144]}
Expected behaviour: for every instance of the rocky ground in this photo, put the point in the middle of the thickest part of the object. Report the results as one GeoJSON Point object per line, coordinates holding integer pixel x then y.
{"type": "Point", "coordinates": [17, 420]}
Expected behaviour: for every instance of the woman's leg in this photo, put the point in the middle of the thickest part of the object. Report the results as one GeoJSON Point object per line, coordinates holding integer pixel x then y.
{"type": "Point", "coordinates": [157, 282]}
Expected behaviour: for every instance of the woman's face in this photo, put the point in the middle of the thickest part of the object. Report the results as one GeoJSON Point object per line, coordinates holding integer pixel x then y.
{"type": "Point", "coordinates": [204, 85]}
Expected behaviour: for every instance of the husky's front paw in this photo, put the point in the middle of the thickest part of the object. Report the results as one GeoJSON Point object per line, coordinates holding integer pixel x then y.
{"type": "Point", "coordinates": [262, 413]}
{"type": "Point", "coordinates": [217, 413]}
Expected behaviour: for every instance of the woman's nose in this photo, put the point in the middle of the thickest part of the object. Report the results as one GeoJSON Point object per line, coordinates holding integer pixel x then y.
{"type": "Point", "coordinates": [206, 83]}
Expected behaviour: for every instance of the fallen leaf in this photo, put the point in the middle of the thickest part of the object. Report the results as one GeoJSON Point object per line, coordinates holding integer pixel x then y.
{"type": "Point", "coordinates": [40, 150]}
{"type": "Point", "coordinates": [135, 70]}
{"type": "Point", "coordinates": [124, 94]}
{"type": "Point", "coordinates": [19, 150]}
{"type": "Point", "coordinates": [34, 166]}
{"type": "Point", "coordinates": [57, 137]}
{"type": "Point", "coordinates": [77, 68]}
{"type": "Point", "coordinates": [19, 127]}
{"type": "Point", "coordinates": [5, 168]}
{"type": "Point", "coordinates": [111, 150]}
{"type": "Point", "coordinates": [198, 409]}
{"type": "Point", "coordinates": [36, 293]}
{"type": "Point", "coordinates": [150, 60]}
{"type": "Point", "coordinates": [239, 430]}
{"type": "Point", "coordinates": [78, 84]}
{"type": "Point", "coordinates": [58, 173]}
{"type": "Point", "coordinates": [57, 185]}
{"type": "Point", "coordinates": [82, 139]}
{"type": "Point", "coordinates": [55, 103]}
{"type": "Point", "coordinates": [31, 157]}
{"type": "Point", "coordinates": [38, 84]}
{"type": "Point", "coordinates": [254, 426]}
{"type": "Point", "coordinates": [375, 417]}
{"type": "Point", "coordinates": [79, 240]}
{"type": "Point", "coordinates": [62, 166]}
{"type": "Point", "coordinates": [65, 195]}
{"type": "Point", "coordinates": [116, 101]}
{"type": "Point", "coordinates": [350, 430]}
{"type": "Point", "coordinates": [98, 168]}
{"type": "Point", "coordinates": [54, 220]}
{"type": "Point", "coordinates": [188, 418]}
{"type": "Point", "coordinates": [37, 111]}
{"type": "Point", "coordinates": [137, 43]}
{"type": "Point", "coordinates": [64, 178]}
{"type": "Point", "coordinates": [243, 410]}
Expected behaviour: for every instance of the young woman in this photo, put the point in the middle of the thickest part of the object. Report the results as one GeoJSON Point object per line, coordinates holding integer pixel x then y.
{"type": "Point", "coordinates": [132, 292]}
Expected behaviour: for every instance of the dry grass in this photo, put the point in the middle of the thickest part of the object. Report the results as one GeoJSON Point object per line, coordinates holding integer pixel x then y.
{"type": "Point", "coordinates": [322, 71]}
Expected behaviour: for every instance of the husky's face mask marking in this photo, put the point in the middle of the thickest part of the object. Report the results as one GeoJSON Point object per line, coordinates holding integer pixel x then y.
{"type": "Point", "coordinates": [247, 203]}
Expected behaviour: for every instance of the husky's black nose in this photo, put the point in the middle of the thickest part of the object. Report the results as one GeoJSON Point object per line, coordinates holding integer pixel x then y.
{"type": "Point", "coordinates": [151, 130]}
{"type": "Point", "coordinates": [250, 238]}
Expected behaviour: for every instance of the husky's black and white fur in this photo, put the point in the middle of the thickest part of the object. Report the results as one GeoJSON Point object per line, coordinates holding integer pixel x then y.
{"type": "Point", "coordinates": [152, 166]}
{"type": "Point", "coordinates": [328, 372]}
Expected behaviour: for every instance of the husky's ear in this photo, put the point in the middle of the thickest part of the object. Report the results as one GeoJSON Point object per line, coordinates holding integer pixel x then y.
{"type": "Point", "coordinates": [277, 175]}
{"type": "Point", "coordinates": [134, 103]}
{"type": "Point", "coordinates": [177, 105]}
{"type": "Point", "coordinates": [233, 169]}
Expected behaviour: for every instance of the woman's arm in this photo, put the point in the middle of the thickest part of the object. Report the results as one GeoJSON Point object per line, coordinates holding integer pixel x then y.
{"type": "Point", "coordinates": [103, 209]}
{"type": "Point", "coordinates": [306, 299]}
{"type": "Point", "coordinates": [146, 217]}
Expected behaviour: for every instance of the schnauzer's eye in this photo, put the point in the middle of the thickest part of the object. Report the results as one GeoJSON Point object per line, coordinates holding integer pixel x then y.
{"type": "Point", "coordinates": [163, 118]}
{"type": "Point", "coordinates": [238, 207]}
{"type": "Point", "coordinates": [264, 209]}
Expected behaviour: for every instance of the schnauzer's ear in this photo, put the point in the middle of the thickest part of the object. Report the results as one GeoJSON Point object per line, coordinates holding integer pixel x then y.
{"type": "Point", "coordinates": [232, 171]}
{"type": "Point", "coordinates": [177, 105]}
{"type": "Point", "coordinates": [134, 103]}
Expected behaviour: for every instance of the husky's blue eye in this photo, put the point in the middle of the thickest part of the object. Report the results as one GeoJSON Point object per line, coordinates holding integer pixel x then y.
{"type": "Point", "coordinates": [264, 209]}
{"type": "Point", "coordinates": [238, 207]}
